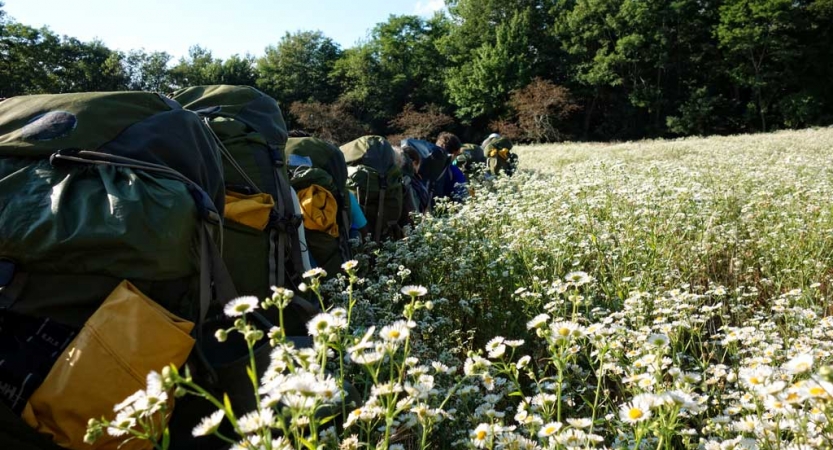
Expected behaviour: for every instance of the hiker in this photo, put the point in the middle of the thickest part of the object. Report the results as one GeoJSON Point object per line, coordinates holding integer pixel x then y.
{"type": "Point", "coordinates": [416, 194]}
{"type": "Point", "coordinates": [452, 145]}
{"type": "Point", "coordinates": [499, 156]}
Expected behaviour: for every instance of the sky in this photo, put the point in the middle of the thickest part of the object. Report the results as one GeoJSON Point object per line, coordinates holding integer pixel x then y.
{"type": "Point", "coordinates": [224, 27]}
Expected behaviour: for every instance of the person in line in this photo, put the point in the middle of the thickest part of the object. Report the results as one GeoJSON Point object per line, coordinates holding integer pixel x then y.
{"type": "Point", "coordinates": [452, 145]}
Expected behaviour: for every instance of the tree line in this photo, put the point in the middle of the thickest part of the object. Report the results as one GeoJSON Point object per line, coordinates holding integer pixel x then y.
{"type": "Point", "coordinates": [535, 70]}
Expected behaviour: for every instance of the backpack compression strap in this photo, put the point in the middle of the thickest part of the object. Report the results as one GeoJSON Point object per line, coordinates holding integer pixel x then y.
{"type": "Point", "coordinates": [383, 186]}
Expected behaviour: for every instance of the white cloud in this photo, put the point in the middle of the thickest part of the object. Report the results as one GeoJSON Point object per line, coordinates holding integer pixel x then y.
{"type": "Point", "coordinates": [428, 7]}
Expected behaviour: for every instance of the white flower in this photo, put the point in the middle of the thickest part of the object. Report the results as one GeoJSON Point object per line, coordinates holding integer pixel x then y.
{"type": "Point", "coordinates": [636, 411]}
{"type": "Point", "coordinates": [549, 429]}
{"type": "Point", "coordinates": [538, 321]}
{"type": "Point", "coordinates": [256, 420]}
{"type": "Point", "coordinates": [578, 278]}
{"type": "Point", "coordinates": [523, 361]}
{"type": "Point", "coordinates": [481, 434]}
{"type": "Point", "coordinates": [514, 343]}
{"type": "Point", "coordinates": [414, 291]}
{"type": "Point", "coordinates": [240, 306]}
{"type": "Point", "coordinates": [315, 272]}
{"type": "Point", "coordinates": [209, 424]}
{"type": "Point", "coordinates": [350, 265]}
{"type": "Point", "coordinates": [800, 364]}
{"type": "Point", "coordinates": [395, 332]}
{"type": "Point", "coordinates": [320, 325]}
{"type": "Point", "coordinates": [496, 347]}
{"type": "Point", "coordinates": [658, 340]}
{"type": "Point", "coordinates": [580, 423]}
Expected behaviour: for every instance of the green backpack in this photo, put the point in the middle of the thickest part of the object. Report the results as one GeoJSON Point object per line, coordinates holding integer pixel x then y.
{"type": "Point", "coordinates": [96, 188]}
{"type": "Point", "coordinates": [499, 158]}
{"type": "Point", "coordinates": [316, 161]}
{"type": "Point", "coordinates": [471, 156]}
{"type": "Point", "coordinates": [253, 134]}
{"type": "Point", "coordinates": [376, 180]}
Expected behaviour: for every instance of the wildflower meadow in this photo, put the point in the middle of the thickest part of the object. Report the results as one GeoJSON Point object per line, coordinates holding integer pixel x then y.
{"type": "Point", "coordinates": [653, 295]}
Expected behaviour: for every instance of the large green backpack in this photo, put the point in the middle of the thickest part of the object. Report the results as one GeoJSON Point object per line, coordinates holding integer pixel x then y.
{"type": "Point", "coordinates": [376, 180]}
{"type": "Point", "coordinates": [253, 134]}
{"type": "Point", "coordinates": [316, 161]}
{"type": "Point", "coordinates": [499, 158]}
{"type": "Point", "coordinates": [472, 156]}
{"type": "Point", "coordinates": [96, 188]}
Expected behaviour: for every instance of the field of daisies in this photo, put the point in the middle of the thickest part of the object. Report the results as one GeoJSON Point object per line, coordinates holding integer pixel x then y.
{"type": "Point", "coordinates": [657, 295]}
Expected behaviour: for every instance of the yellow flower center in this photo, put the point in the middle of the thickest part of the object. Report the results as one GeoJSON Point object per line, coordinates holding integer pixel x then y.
{"type": "Point", "coordinates": [549, 430]}
{"type": "Point", "coordinates": [394, 334]}
{"type": "Point", "coordinates": [755, 380]}
{"type": "Point", "coordinates": [481, 435]}
{"type": "Point", "coordinates": [564, 331]}
{"type": "Point", "coordinates": [357, 412]}
{"type": "Point", "coordinates": [817, 391]}
{"type": "Point", "coordinates": [635, 413]}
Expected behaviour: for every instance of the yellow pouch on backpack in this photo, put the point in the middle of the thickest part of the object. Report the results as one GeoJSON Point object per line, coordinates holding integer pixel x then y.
{"type": "Point", "coordinates": [128, 336]}
{"type": "Point", "coordinates": [320, 209]}
{"type": "Point", "coordinates": [250, 210]}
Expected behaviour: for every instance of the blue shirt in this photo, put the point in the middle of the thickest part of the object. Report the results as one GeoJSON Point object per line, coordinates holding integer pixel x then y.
{"type": "Point", "coordinates": [357, 218]}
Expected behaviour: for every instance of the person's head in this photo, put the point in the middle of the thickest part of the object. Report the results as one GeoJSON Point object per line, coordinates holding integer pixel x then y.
{"type": "Point", "coordinates": [412, 156]}
{"type": "Point", "coordinates": [450, 143]}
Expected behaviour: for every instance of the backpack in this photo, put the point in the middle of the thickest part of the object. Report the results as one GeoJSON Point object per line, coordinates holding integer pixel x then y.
{"type": "Point", "coordinates": [472, 155]}
{"type": "Point", "coordinates": [500, 159]}
{"type": "Point", "coordinates": [433, 169]}
{"type": "Point", "coordinates": [253, 134]}
{"type": "Point", "coordinates": [376, 180]}
{"type": "Point", "coordinates": [97, 189]}
{"type": "Point", "coordinates": [314, 161]}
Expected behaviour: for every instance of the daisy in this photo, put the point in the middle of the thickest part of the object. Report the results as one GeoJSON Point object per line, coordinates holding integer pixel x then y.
{"type": "Point", "coordinates": [395, 332]}
{"type": "Point", "coordinates": [658, 340]}
{"type": "Point", "coordinates": [320, 324]}
{"type": "Point", "coordinates": [496, 347]}
{"type": "Point", "coordinates": [800, 364]}
{"type": "Point", "coordinates": [480, 435]}
{"type": "Point", "coordinates": [315, 272]}
{"type": "Point", "coordinates": [209, 424]}
{"type": "Point", "coordinates": [256, 420]}
{"type": "Point", "coordinates": [634, 412]}
{"type": "Point", "coordinates": [240, 306]}
{"type": "Point", "coordinates": [549, 429]}
{"type": "Point", "coordinates": [414, 291]}
{"type": "Point", "coordinates": [538, 321]}
{"type": "Point", "coordinates": [580, 423]}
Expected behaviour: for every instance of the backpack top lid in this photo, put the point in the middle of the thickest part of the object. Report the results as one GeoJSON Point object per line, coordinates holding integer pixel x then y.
{"type": "Point", "coordinates": [434, 158]}
{"type": "Point", "coordinates": [243, 103]}
{"type": "Point", "coordinates": [498, 143]}
{"type": "Point", "coordinates": [140, 125]}
{"type": "Point", "coordinates": [372, 151]}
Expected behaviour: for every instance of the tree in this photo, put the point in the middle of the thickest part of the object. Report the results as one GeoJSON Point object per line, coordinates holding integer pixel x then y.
{"type": "Point", "coordinates": [424, 124]}
{"type": "Point", "coordinates": [399, 64]}
{"type": "Point", "coordinates": [332, 122]}
{"type": "Point", "coordinates": [148, 71]}
{"type": "Point", "coordinates": [482, 87]}
{"type": "Point", "coordinates": [238, 70]}
{"type": "Point", "coordinates": [541, 107]}
{"type": "Point", "coordinates": [298, 68]}
{"type": "Point", "coordinates": [758, 38]}
{"type": "Point", "coordinates": [199, 68]}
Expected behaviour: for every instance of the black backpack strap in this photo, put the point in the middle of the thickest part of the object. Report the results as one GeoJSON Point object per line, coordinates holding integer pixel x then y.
{"type": "Point", "coordinates": [12, 281]}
